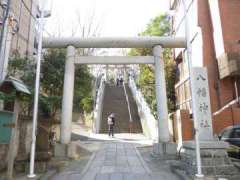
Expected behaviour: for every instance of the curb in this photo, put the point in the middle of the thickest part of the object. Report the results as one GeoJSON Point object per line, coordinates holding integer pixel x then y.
{"type": "Point", "coordinates": [88, 164]}
{"type": "Point", "coordinates": [143, 162]}
{"type": "Point", "coordinates": [179, 173]}
{"type": "Point", "coordinates": [48, 175]}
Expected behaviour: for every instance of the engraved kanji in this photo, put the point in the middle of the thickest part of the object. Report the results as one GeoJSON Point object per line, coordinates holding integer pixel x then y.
{"type": "Point", "coordinates": [203, 107]}
{"type": "Point", "coordinates": [202, 92]}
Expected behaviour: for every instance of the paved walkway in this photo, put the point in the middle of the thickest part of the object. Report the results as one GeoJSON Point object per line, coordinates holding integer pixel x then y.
{"type": "Point", "coordinates": [117, 161]}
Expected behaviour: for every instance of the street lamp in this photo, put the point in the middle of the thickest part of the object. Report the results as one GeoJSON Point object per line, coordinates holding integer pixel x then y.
{"type": "Point", "coordinates": [43, 14]}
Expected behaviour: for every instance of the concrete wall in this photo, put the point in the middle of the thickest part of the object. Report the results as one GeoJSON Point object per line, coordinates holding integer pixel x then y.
{"type": "Point", "coordinates": [3, 155]}
{"type": "Point", "coordinates": [25, 13]}
{"type": "Point", "coordinates": [25, 138]}
{"type": "Point", "coordinates": [148, 122]}
{"type": "Point", "coordinates": [98, 109]}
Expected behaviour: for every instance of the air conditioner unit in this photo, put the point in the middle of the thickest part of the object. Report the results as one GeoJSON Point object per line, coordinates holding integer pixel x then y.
{"type": "Point", "coordinates": [229, 65]}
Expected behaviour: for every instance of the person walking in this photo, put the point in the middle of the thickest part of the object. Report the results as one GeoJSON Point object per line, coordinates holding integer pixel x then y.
{"type": "Point", "coordinates": [121, 81]}
{"type": "Point", "coordinates": [111, 123]}
{"type": "Point", "coordinates": [117, 81]}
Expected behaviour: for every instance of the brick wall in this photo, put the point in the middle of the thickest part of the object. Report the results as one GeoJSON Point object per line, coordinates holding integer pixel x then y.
{"type": "Point", "coordinates": [221, 91]}
{"type": "Point", "coordinates": [236, 115]}
{"type": "Point", "coordinates": [186, 124]}
{"type": "Point", "coordinates": [230, 13]}
{"type": "Point", "coordinates": [228, 117]}
{"type": "Point", "coordinates": [209, 60]}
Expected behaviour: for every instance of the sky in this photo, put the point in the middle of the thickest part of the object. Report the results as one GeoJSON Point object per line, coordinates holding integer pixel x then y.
{"type": "Point", "coordinates": [110, 17]}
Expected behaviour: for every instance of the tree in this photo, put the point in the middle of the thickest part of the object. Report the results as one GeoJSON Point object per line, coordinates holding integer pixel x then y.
{"type": "Point", "coordinates": [83, 25]}
{"type": "Point", "coordinates": [52, 79]}
{"type": "Point", "coordinates": [83, 99]}
{"type": "Point", "coordinates": [52, 76]}
{"type": "Point", "coordinates": [159, 26]}
{"type": "Point", "coordinates": [24, 69]}
{"type": "Point", "coordinates": [53, 67]}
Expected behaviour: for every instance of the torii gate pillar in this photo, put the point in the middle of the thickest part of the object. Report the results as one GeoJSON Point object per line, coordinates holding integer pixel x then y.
{"type": "Point", "coordinates": [68, 91]}
{"type": "Point", "coordinates": [161, 95]}
{"type": "Point", "coordinates": [163, 145]}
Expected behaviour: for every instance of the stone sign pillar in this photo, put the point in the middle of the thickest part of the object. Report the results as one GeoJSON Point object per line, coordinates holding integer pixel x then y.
{"type": "Point", "coordinates": [213, 156]}
{"type": "Point", "coordinates": [68, 91]}
{"type": "Point", "coordinates": [202, 108]}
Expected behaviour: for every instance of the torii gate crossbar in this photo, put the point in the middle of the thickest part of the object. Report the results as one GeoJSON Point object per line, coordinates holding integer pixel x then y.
{"type": "Point", "coordinates": [120, 42]}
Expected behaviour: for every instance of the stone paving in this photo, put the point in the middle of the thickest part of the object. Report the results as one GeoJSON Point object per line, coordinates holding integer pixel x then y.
{"type": "Point", "coordinates": [116, 161]}
{"type": "Point", "coordinates": [113, 159]}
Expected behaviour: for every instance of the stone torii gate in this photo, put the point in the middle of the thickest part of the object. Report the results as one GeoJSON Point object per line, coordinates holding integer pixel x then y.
{"type": "Point", "coordinates": [156, 43]}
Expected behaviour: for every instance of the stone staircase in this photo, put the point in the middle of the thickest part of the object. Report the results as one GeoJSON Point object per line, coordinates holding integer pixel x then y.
{"type": "Point", "coordinates": [115, 101]}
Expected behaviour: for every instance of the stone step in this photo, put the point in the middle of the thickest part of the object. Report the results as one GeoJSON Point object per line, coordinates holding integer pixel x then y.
{"type": "Point", "coordinates": [115, 101]}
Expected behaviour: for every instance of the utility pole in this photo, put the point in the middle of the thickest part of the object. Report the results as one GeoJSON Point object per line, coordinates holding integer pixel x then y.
{"type": "Point", "coordinates": [190, 68]}
{"type": "Point", "coordinates": [43, 14]}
